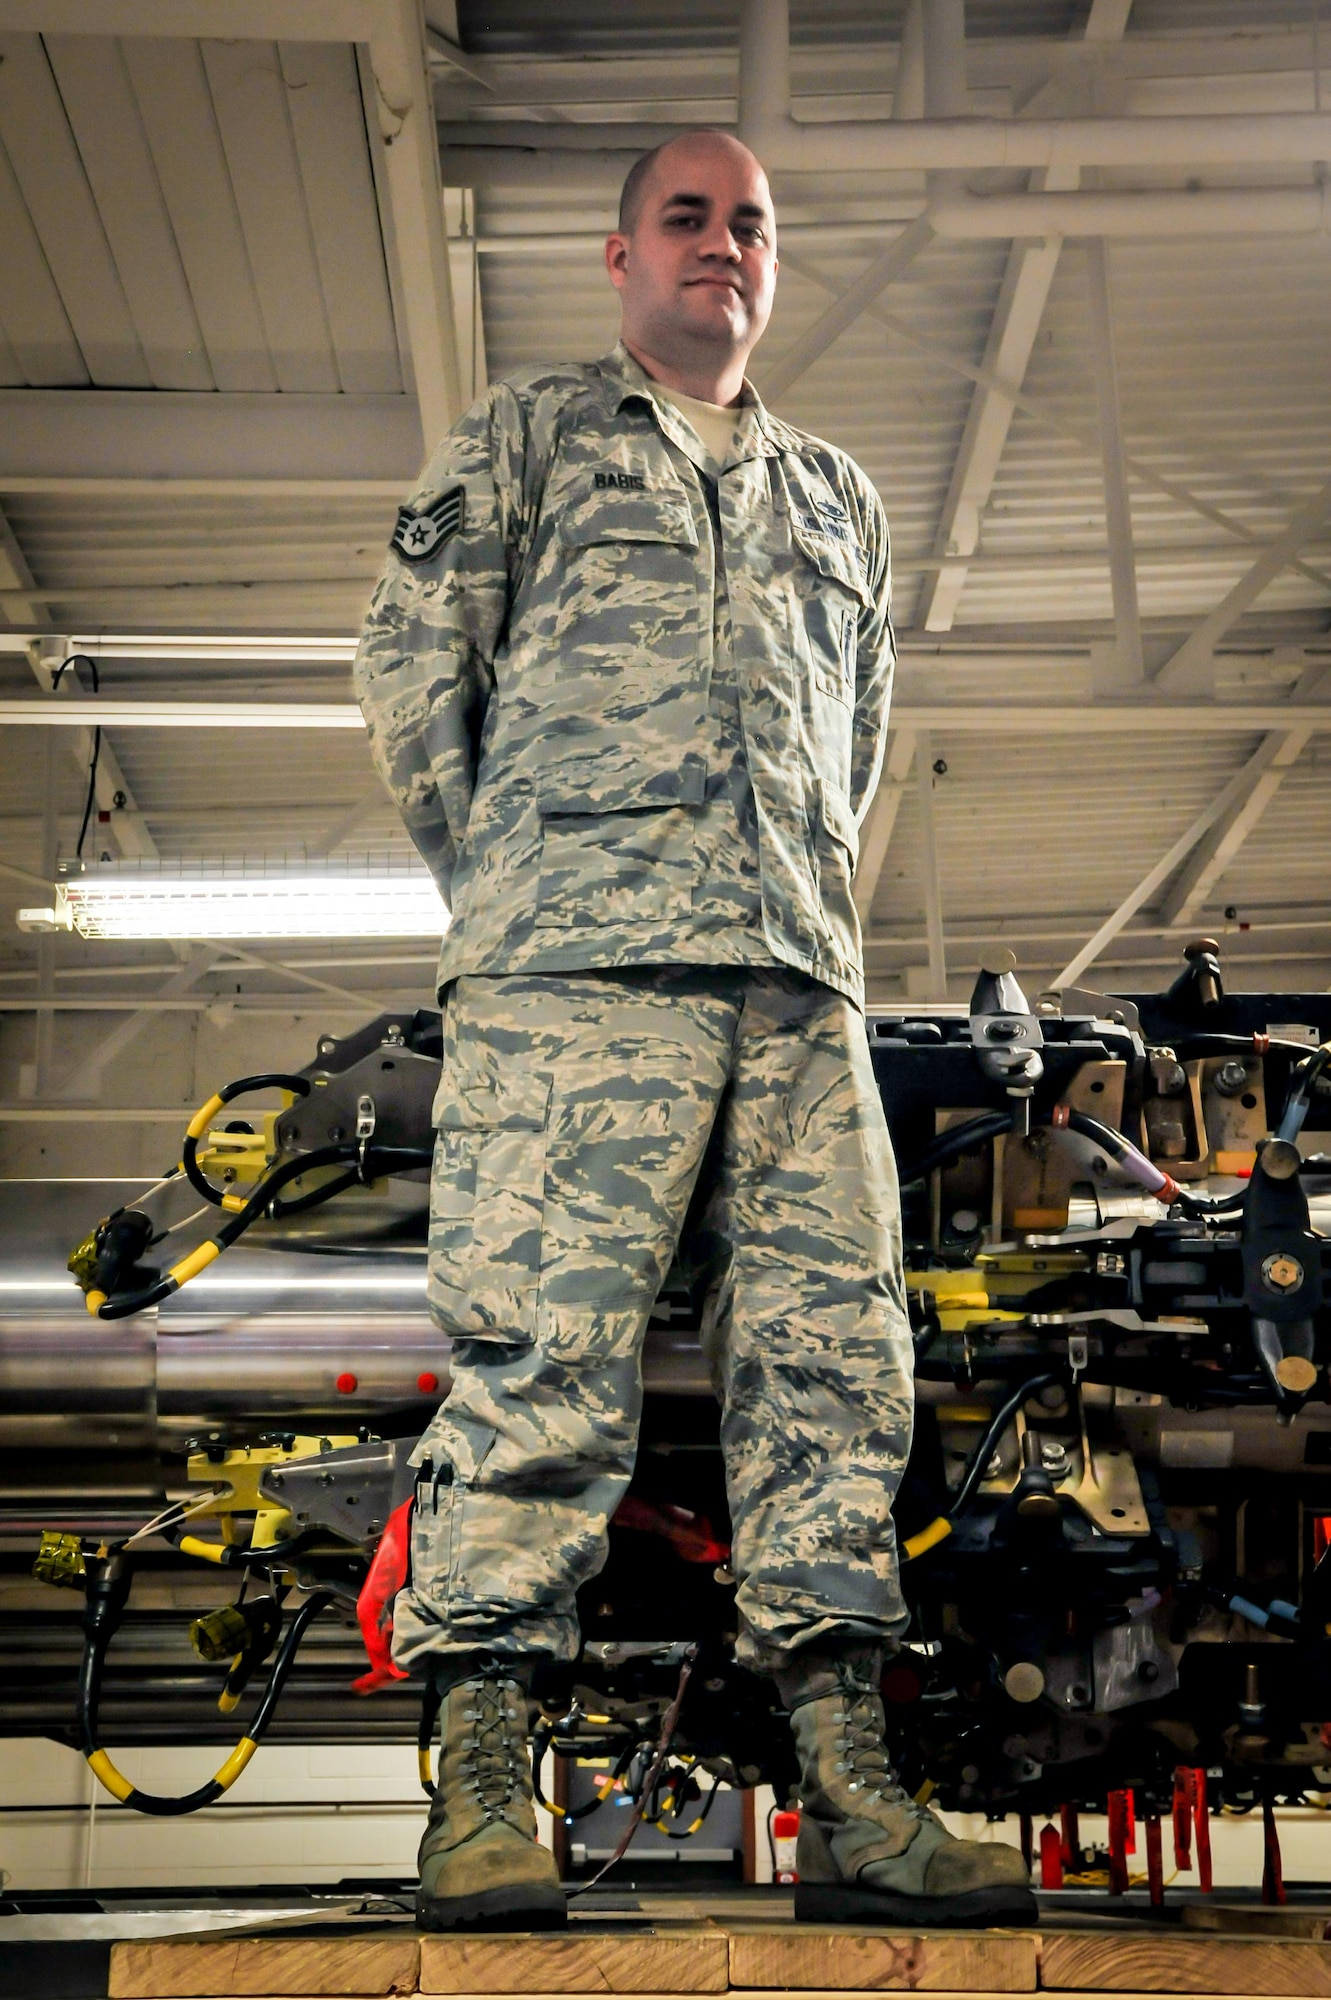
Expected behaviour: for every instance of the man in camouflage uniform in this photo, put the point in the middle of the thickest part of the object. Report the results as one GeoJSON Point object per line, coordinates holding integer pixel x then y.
{"type": "Point", "coordinates": [627, 675]}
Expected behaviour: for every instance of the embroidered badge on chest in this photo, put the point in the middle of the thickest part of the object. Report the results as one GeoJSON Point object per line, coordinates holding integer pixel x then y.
{"type": "Point", "coordinates": [418, 536]}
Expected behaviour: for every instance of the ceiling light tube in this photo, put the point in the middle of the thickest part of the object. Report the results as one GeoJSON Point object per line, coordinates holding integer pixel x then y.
{"type": "Point", "coordinates": [253, 900]}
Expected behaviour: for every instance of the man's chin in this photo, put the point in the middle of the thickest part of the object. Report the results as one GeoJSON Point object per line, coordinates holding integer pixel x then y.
{"type": "Point", "coordinates": [716, 314]}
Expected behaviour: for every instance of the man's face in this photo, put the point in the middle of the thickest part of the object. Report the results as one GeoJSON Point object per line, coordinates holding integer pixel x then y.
{"type": "Point", "coordinates": [699, 271]}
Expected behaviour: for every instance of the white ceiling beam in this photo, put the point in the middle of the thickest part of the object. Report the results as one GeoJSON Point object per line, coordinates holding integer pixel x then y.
{"type": "Point", "coordinates": [1224, 801]}
{"type": "Point", "coordinates": [440, 49]}
{"type": "Point", "coordinates": [1016, 718]}
{"type": "Point", "coordinates": [1192, 663]}
{"type": "Point", "coordinates": [1052, 418]}
{"type": "Point", "coordinates": [211, 598]}
{"type": "Point", "coordinates": [880, 822]}
{"type": "Point", "coordinates": [228, 20]}
{"type": "Point", "coordinates": [962, 144]}
{"type": "Point", "coordinates": [239, 1003]}
{"type": "Point", "coordinates": [1118, 505]}
{"type": "Point", "coordinates": [1012, 335]}
{"type": "Point", "coordinates": [347, 821]}
{"type": "Point", "coordinates": [405, 112]}
{"type": "Point", "coordinates": [85, 1079]}
{"type": "Point", "coordinates": [1266, 769]}
{"type": "Point", "coordinates": [157, 434]}
{"type": "Point", "coordinates": [871, 283]}
{"type": "Point", "coordinates": [908, 88]}
{"type": "Point", "coordinates": [17, 605]}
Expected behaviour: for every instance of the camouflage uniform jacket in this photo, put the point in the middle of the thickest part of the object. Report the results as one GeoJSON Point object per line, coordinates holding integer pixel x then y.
{"type": "Point", "coordinates": [536, 674]}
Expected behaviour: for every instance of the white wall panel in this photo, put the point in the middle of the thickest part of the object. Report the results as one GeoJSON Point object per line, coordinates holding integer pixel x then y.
{"type": "Point", "coordinates": [99, 102]}
{"type": "Point", "coordinates": [55, 189]}
{"type": "Point", "coordinates": [177, 112]}
{"type": "Point", "coordinates": [328, 126]}
{"type": "Point", "coordinates": [249, 97]}
{"type": "Point", "coordinates": [36, 324]}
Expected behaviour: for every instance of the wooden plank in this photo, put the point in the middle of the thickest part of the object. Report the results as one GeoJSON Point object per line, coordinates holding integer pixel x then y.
{"type": "Point", "coordinates": [1297, 1921]}
{"type": "Point", "coordinates": [250, 99]}
{"type": "Point", "coordinates": [177, 113]}
{"type": "Point", "coordinates": [679, 1961]}
{"type": "Point", "coordinates": [183, 1968]}
{"type": "Point", "coordinates": [1147, 1962]}
{"type": "Point", "coordinates": [58, 200]}
{"type": "Point", "coordinates": [844, 1957]}
{"type": "Point", "coordinates": [99, 103]}
{"type": "Point", "coordinates": [332, 147]}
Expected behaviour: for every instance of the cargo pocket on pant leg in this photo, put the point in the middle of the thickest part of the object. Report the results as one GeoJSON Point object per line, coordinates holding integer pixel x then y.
{"type": "Point", "coordinates": [487, 1200]}
{"type": "Point", "coordinates": [458, 1450]}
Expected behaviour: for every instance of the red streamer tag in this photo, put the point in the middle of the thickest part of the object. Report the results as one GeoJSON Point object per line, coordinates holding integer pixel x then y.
{"type": "Point", "coordinates": [1201, 1828]}
{"type": "Point", "coordinates": [1051, 1858]}
{"type": "Point", "coordinates": [1118, 1808]}
{"type": "Point", "coordinates": [1182, 1813]}
{"type": "Point", "coordinates": [374, 1606]}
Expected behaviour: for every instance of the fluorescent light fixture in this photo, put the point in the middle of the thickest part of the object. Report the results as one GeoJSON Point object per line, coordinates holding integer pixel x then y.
{"type": "Point", "coordinates": [251, 899]}
{"type": "Point", "coordinates": [191, 646]}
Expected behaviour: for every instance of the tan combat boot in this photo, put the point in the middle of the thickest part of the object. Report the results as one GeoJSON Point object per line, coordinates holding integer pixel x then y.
{"type": "Point", "coordinates": [867, 1853]}
{"type": "Point", "coordinates": [481, 1867]}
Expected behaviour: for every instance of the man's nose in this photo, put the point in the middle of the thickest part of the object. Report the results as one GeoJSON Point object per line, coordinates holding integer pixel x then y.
{"type": "Point", "coordinates": [719, 241]}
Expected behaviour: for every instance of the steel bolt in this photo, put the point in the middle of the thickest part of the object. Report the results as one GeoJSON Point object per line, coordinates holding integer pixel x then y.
{"type": "Point", "coordinates": [1281, 1272]}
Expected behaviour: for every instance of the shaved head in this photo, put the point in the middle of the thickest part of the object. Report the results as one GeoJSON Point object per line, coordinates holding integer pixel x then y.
{"type": "Point", "coordinates": [642, 173]}
{"type": "Point", "coordinates": [694, 262]}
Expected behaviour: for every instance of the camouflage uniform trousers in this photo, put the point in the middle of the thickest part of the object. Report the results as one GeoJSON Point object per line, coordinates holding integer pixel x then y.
{"type": "Point", "coordinates": [591, 1127]}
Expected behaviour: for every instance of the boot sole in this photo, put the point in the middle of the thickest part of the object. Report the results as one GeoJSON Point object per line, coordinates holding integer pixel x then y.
{"type": "Point", "coordinates": [534, 1908]}
{"type": "Point", "coordinates": [837, 1903]}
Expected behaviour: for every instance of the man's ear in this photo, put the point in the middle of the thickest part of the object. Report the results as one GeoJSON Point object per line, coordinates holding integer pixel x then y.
{"type": "Point", "coordinates": [617, 257]}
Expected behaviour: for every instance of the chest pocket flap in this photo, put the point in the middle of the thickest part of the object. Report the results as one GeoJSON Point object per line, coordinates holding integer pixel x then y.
{"type": "Point", "coordinates": [831, 555]}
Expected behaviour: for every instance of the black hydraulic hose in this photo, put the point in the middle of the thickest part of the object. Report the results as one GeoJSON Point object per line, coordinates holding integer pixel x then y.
{"type": "Point", "coordinates": [370, 1163]}
{"type": "Point", "coordinates": [204, 1253]}
{"type": "Point", "coordinates": [204, 1116]}
{"type": "Point", "coordinates": [959, 1139]}
{"type": "Point", "coordinates": [541, 1742]}
{"type": "Point", "coordinates": [232, 1555]}
{"type": "Point", "coordinates": [994, 1430]}
{"type": "Point", "coordinates": [156, 1806]}
{"type": "Point", "coordinates": [705, 1806]}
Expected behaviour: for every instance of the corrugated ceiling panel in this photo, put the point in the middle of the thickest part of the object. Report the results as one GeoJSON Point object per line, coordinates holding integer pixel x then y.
{"type": "Point", "coordinates": [55, 192]}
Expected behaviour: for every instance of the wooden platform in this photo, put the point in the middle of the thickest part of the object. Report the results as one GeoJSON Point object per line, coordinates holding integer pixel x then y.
{"type": "Point", "coordinates": [655, 1955]}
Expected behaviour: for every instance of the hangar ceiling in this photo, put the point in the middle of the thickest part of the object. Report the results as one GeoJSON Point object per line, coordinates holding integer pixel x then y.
{"type": "Point", "coordinates": [239, 293]}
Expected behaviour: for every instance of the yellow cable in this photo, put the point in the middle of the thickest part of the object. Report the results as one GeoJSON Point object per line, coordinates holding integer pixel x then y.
{"type": "Point", "coordinates": [235, 1763]}
{"type": "Point", "coordinates": [107, 1775]}
{"type": "Point", "coordinates": [226, 1702]}
{"type": "Point", "coordinates": [203, 1117]}
{"type": "Point", "coordinates": [424, 1766]}
{"type": "Point", "coordinates": [212, 1552]}
{"type": "Point", "coordinates": [928, 1538]}
{"type": "Point", "coordinates": [198, 1260]}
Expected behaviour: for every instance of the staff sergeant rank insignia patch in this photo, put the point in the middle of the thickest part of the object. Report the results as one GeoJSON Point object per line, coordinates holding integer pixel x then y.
{"type": "Point", "coordinates": [419, 536]}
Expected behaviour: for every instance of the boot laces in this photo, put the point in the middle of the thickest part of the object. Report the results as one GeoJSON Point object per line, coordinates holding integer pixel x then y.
{"type": "Point", "coordinates": [863, 1758]}
{"type": "Point", "coordinates": [494, 1749]}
